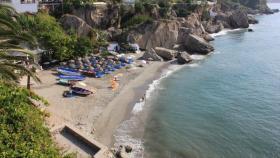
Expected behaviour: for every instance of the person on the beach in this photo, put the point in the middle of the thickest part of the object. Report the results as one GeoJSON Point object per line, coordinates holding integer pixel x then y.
{"type": "Point", "coordinates": [143, 98]}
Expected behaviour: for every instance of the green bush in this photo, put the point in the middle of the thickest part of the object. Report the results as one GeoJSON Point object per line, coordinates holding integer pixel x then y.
{"type": "Point", "coordinates": [22, 130]}
{"type": "Point", "coordinates": [51, 36]}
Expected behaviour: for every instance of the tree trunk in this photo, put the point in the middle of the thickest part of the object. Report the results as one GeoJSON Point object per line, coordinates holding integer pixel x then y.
{"type": "Point", "coordinates": [28, 82]}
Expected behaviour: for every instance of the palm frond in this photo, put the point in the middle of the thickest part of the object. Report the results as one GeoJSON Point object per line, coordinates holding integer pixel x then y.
{"type": "Point", "coordinates": [22, 69]}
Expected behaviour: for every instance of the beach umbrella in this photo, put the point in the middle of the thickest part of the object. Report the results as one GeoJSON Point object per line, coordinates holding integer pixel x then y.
{"type": "Point", "coordinates": [73, 66]}
{"type": "Point", "coordinates": [63, 63]}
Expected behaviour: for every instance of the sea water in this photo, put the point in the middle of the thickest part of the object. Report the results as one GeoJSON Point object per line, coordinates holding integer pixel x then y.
{"type": "Point", "coordinates": [226, 105]}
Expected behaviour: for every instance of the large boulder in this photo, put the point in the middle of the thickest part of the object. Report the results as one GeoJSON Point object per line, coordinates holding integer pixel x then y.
{"type": "Point", "coordinates": [151, 55]}
{"type": "Point", "coordinates": [195, 44]}
{"type": "Point", "coordinates": [223, 18]}
{"type": "Point", "coordinates": [252, 20]}
{"type": "Point", "coordinates": [72, 22]}
{"type": "Point", "coordinates": [100, 16]}
{"type": "Point", "coordinates": [211, 27]}
{"type": "Point", "coordinates": [166, 54]}
{"type": "Point", "coordinates": [183, 58]}
{"type": "Point", "coordinates": [239, 19]}
{"type": "Point", "coordinates": [161, 33]}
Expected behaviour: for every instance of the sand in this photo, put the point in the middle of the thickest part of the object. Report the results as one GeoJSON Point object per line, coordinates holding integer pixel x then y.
{"type": "Point", "coordinates": [100, 114]}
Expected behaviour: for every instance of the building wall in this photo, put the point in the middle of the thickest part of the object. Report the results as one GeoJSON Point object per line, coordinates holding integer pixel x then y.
{"type": "Point", "coordinates": [27, 6]}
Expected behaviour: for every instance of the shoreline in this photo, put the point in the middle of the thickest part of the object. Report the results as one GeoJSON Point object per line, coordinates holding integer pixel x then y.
{"type": "Point", "coordinates": [119, 109]}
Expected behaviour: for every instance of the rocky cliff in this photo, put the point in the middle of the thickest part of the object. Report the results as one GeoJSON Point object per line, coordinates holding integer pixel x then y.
{"type": "Point", "coordinates": [189, 32]}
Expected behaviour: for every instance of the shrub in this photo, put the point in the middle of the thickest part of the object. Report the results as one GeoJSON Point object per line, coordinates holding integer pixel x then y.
{"type": "Point", "coordinates": [51, 36]}
{"type": "Point", "coordinates": [22, 130]}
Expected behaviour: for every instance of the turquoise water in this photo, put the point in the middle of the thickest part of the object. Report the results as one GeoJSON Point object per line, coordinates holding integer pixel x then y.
{"type": "Point", "coordinates": [226, 107]}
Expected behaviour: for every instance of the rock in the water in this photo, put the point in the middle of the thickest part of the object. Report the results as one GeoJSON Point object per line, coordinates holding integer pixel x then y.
{"type": "Point", "coordinates": [121, 153]}
{"type": "Point", "coordinates": [252, 20]}
{"type": "Point", "coordinates": [198, 45]}
{"type": "Point", "coordinates": [128, 149]}
{"type": "Point", "coordinates": [166, 54]}
{"type": "Point", "coordinates": [250, 30]}
{"type": "Point", "coordinates": [75, 23]}
{"type": "Point", "coordinates": [151, 55]}
{"type": "Point", "coordinates": [183, 58]}
{"type": "Point", "coordinates": [275, 10]}
{"type": "Point", "coordinates": [207, 37]}
{"type": "Point", "coordinates": [213, 28]}
{"type": "Point", "coordinates": [239, 19]}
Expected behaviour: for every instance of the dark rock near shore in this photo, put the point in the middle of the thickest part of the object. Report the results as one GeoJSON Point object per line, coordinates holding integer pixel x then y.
{"type": "Point", "coordinates": [197, 44]}
{"type": "Point", "coordinates": [128, 149]}
{"type": "Point", "coordinates": [210, 27]}
{"type": "Point", "coordinates": [166, 54]}
{"type": "Point", "coordinates": [239, 19]}
{"type": "Point", "coordinates": [183, 58]}
{"type": "Point", "coordinates": [208, 38]}
{"type": "Point", "coordinates": [252, 20]}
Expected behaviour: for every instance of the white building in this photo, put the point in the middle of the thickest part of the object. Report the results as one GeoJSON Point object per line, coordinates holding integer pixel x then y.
{"type": "Point", "coordinates": [22, 6]}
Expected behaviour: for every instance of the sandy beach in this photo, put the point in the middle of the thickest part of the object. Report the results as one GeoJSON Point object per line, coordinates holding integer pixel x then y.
{"type": "Point", "coordinates": [100, 114]}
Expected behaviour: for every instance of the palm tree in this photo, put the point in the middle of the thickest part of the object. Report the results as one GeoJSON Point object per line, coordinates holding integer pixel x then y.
{"type": "Point", "coordinates": [12, 37]}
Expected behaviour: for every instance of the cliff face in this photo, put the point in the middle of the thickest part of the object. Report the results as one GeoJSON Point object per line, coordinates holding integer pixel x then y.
{"type": "Point", "coordinates": [256, 4]}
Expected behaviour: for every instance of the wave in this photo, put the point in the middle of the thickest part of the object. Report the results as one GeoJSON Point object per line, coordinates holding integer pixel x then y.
{"type": "Point", "coordinates": [224, 32]}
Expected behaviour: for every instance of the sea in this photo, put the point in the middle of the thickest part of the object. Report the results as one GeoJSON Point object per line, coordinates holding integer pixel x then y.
{"type": "Point", "coordinates": [224, 105]}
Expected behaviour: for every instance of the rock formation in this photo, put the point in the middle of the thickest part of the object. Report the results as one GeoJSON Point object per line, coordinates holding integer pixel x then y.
{"type": "Point", "coordinates": [72, 22]}
{"type": "Point", "coordinates": [166, 54]}
{"type": "Point", "coordinates": [151, 55]}
{"type": "Point", "coordinates": [196, 44]}
{"type": "Point", "coordinates": [239, 19]}
{"type": "Point", "coordinates": [162, 33]}
{"type": "Point", "coordinates": [183, 58]}
{"type": "Point", "coordinates": [99, 16]}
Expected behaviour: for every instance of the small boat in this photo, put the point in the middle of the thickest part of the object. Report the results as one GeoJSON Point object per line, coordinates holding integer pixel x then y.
{"type": "Point", "coordinates": [81, 91]}
{"type": "Point", "coordinates": [68, 71]}
{"type": "Point", "coordinates": [99, 75]}
{"type": "Point", "coordinates": [90, 73]}
{"type": "Point", "coordinates": [72, 78]}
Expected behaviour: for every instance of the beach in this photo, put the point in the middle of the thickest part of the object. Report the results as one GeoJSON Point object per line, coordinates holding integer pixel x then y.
{"type": "Point", "coordinates": [100, 114]}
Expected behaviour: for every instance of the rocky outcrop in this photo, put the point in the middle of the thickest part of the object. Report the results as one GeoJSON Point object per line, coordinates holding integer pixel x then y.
{"type": "Point", "coordinates": [99, 16]}
{"type": "Point", "coordinates": [151, 55]}
{"type": "Point", "coordinates": [260, 5]}
{"type": "Point", "coordinates": [162, 33]}
{"type": "Point", "coordinates": [195, 44]}
{"type": "Point", "coordinates": [183, 58]}
{"type": "Point", "coordinates": [72, 22]}
{"type": "Point", "coordinates": [239, 19]}
{"type": "Point", "coordinates": [166, 54]}
{"type": "Point", "coordinates": [210, 27]}
{"type": "Point", "coordinates": [252, 20]}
